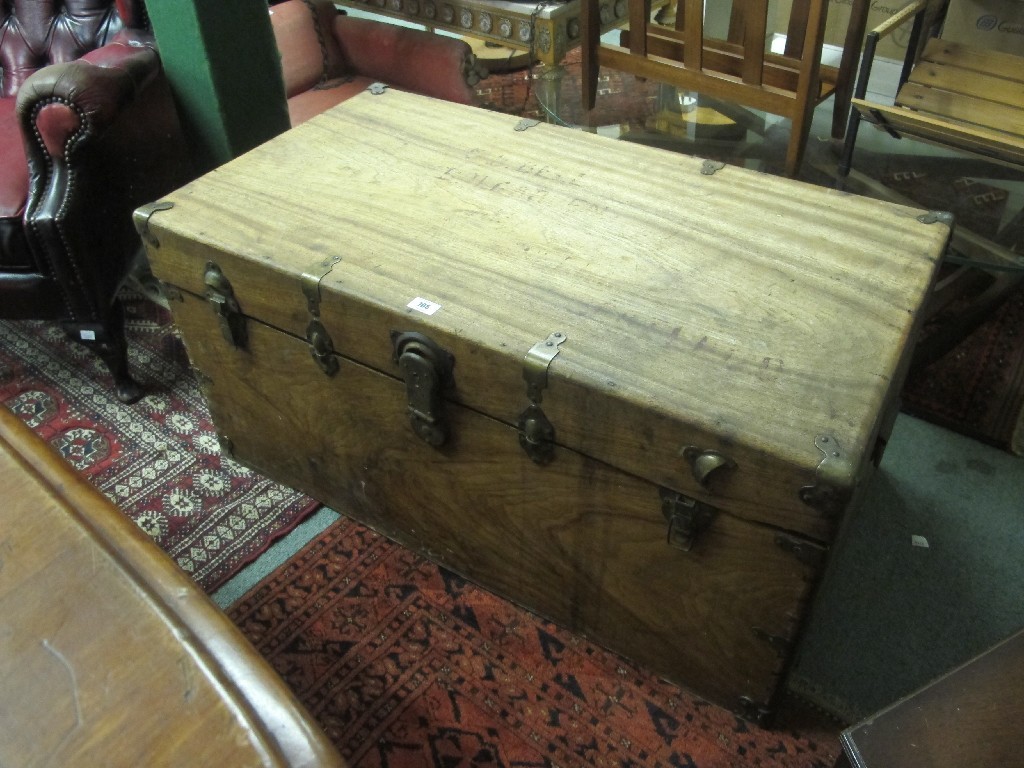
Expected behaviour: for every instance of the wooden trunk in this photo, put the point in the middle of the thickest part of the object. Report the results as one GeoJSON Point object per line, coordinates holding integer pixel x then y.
{"type": "Point", "coordinates": [730, 348]}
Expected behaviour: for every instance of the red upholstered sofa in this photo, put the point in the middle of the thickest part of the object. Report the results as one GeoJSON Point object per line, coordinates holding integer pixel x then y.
{"type": "Point", "coordinates": [88, 132]}
{"type": "Point", "coordinates": [326, 57]}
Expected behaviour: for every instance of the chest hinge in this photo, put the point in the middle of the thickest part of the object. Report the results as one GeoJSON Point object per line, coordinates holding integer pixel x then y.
{"type": "Point", "coordinates": [321, 346]}
{"type": "Point", "coordinates": [221, 297]}
{"type": "Point", "coordinates": [687, 518]}
{"type": "Point", "coordinates": [755, 711]}
{"type": "Point", "coordinates": [807, 552]}
{"type": "Point", "coordinates": [536, 432]}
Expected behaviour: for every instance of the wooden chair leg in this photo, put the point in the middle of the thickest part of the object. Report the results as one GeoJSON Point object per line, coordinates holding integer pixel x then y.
{"type": "Point", "coordinates": [590, 26]}
{"type": "Point", "coordinates": [799, 131]}
{"type": "Point", "coordinates": [848, 67]}
{"type": "Point", "coordinates": [107, 339]}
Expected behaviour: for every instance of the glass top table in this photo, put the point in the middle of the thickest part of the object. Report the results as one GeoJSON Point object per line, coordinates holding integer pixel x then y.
{"type": "Point", "coordinates": [547, 29]}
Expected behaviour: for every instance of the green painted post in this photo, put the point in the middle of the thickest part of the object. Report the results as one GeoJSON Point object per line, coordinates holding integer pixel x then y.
{"type": "Point", "coordinates": [225, 71]}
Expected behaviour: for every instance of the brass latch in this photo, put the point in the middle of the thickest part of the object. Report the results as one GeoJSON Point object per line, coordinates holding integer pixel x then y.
{"type": "Point", "coordinates": [536, 433]}
{"type": "Point", "coordinates": [427, 370]}
{"type": "Point", "coordinates": [687, 518]}
{"type": "Point", "coordinates": [706, 465]}
{"type": "Point", "coordinates": [221, 296]}
{"type": "Point", "coordinates": [321, 346]}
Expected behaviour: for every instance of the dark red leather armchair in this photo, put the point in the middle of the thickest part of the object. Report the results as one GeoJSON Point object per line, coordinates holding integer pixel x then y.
{"type": "Point", "coordinates": [88, 132]}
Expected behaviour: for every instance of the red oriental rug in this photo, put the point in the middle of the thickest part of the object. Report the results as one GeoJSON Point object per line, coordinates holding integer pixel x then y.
{"type": "Point", "coordinates": [406, 665]}
{"type": "Point", "coordinates": [158, 459]}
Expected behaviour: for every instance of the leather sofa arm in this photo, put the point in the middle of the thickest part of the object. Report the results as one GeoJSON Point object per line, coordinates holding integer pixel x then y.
{"type": "Point", "coordinates": [411, 59]}
{"type": "Point", "coordinates": [101, 137]}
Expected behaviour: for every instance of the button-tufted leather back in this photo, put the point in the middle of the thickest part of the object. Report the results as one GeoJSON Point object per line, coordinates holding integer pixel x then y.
{"type": "Point", "coordinates": [34, 33]}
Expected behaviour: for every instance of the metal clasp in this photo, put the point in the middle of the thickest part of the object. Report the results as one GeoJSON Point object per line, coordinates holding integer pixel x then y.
{"type": "Point", "coordinates": [536, 432]}
{"type": "Point", "coordinates": [687, 518]}
{"type": "Point", "coordinates": [221, 296]}
{"type": "Point", "coordinates": [321, 346]}
{"type": "Point", "coordinates": [427, 370]}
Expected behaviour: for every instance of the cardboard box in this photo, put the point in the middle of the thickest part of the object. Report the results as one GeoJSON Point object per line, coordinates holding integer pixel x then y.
{"type": "Point", "coordinates": [892, 47]}
{"type": "Point", "coordinates": [994, 25]}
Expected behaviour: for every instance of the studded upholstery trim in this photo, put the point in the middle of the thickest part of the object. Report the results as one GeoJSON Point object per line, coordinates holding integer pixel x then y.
{"type": "Point", "coordinates": [35, 33]}
{"type": "Point", "coordinates": [318, 27]}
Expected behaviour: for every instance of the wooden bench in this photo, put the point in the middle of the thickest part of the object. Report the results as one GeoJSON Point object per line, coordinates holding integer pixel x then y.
{"type": "Point", "coordinates": [951, 94]}
{"type": "Point", "coordinates": [965, 99]}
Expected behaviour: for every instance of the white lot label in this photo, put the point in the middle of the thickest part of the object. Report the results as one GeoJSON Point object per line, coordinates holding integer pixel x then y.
{"type": "Point", "coordinates": [425, 306]}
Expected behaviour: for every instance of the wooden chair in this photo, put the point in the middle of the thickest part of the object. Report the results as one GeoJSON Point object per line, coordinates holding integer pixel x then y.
{"type": "Point", "coordinates": [962, 98]}
{"type": "Point", "coordinates": [736, 69]}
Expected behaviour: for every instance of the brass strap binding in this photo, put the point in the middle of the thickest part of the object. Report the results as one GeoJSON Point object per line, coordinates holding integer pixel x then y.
{"type": "Point", "coordinates": [321, 346]}
{"type": "Point", "coordinates": [141, 218]}
{"type": "Point", "coordinates": [834, 479]}
{"type": "Point", "coordinates": [536, 433]}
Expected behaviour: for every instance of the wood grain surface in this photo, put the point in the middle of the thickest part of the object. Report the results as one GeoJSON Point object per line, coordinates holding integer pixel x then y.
{"type": "Point", "coordinates": [717, 309]}
{"type": "Point", "coordinates": [736, 311]}
{"type": "Point", "coordinates": [577, 541]}
{"type": "Point", "coordinates": [109, 654]}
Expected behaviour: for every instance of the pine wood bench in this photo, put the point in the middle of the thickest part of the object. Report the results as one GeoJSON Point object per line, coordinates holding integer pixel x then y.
{"type": "Point", "coordinates": [966, 99]}
{"type": "Point", "coordinates": [960, 97]}
{"type": "Point", "coordinates": [955, 95]}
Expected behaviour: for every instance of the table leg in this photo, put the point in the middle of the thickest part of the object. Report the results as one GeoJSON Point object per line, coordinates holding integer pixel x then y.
{"type": "Point", "coordinates": [548, 83]}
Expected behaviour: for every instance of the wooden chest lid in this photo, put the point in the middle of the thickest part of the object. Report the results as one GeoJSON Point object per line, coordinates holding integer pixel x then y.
{"type": "Point", "coordinates": [727, 311]}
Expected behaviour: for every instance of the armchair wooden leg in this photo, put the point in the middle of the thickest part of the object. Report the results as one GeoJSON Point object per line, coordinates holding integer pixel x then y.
{"type": "Point", "coordinates": [108, 341]}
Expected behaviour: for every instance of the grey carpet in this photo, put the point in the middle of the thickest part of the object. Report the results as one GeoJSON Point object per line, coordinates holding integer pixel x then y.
{"type": "Point", "coordinates": [890, 616]}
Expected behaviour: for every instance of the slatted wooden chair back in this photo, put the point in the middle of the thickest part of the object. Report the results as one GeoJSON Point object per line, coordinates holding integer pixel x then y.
{"type": "Point", "coordinates": [951, 94]}
{"type": "Point", "coordinates": [737, 69]}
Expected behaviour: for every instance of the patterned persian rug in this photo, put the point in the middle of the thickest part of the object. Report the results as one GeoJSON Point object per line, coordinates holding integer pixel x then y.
{"type": "Point", "coordinates": [406, 665]}
{"type": "Point", "coordinates": [158, 459]}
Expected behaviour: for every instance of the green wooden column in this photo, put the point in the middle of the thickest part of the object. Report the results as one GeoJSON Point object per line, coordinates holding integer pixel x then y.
{"type": "Point", "coordinates": [225, 71]}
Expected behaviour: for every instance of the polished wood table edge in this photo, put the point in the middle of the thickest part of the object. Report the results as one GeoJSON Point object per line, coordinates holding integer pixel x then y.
{"type": "Point", "coordinates": [951, 688]}
{"type": "Point", "coordinates": [248, 683]}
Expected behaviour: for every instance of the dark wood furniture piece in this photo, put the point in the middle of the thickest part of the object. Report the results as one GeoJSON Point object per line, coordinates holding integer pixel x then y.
{"type": "Point", "coordinates": [970, 717]}
{"type": "Point", "coordinates": [737, 70]}
{"type": "Point", "coordinates": [109, 654]}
